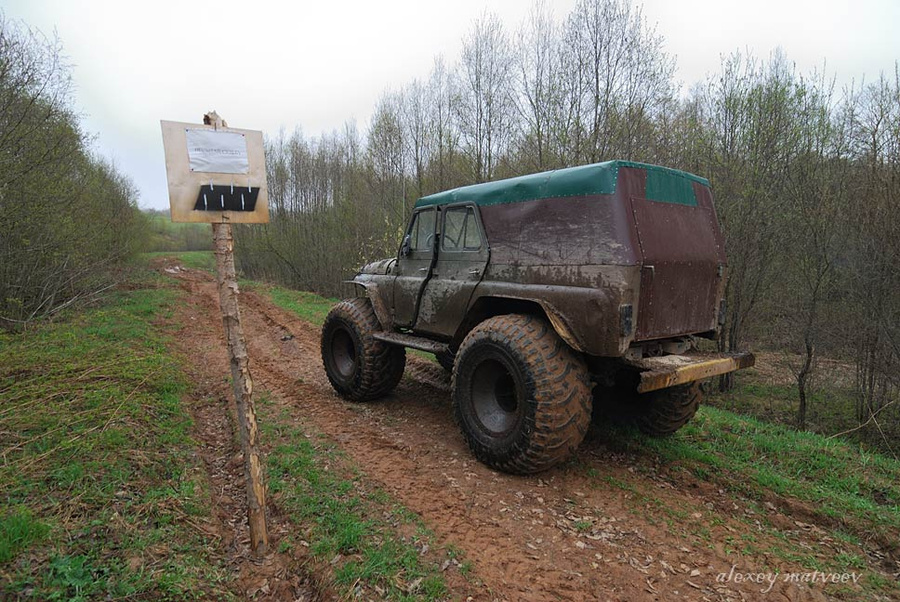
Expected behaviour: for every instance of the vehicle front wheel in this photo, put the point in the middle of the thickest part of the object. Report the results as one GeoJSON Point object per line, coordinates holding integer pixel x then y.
{"type": "Point", "coordinates": [522, 397]}
{"type": "Point", "coordinates": [358, 366]}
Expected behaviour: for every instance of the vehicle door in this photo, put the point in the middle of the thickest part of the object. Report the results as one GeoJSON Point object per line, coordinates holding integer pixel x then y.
{"type": "Point", "coordinates": [683, 262]}
{"type": "Point", "coordinates": [413, 263]}
{"type": "Point", "coordinates": [462, 258]}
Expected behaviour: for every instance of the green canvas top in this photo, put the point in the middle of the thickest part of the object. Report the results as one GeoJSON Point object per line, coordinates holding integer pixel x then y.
{"type": "Point", "coordinates": [663, 184]}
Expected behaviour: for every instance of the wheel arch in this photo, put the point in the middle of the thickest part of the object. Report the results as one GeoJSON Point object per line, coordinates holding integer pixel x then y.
{"type": "Point", "coordinates": [371, 290]}
{"type": "Point", "coordinates": [489, 306]}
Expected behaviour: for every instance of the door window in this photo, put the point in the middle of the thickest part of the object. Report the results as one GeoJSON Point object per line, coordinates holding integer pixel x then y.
{"type": "Point", "coordinates": [461, 231]}
{"type": "Point", "coordinates": [421, 231]}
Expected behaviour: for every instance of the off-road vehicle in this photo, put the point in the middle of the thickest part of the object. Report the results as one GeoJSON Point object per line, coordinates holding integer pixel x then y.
{"type": "Point", "coordinates": [545, 294]}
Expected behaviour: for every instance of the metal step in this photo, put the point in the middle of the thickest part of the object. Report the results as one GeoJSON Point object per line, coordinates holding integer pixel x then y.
{"type": "Point", "coordinates": [408, 340]}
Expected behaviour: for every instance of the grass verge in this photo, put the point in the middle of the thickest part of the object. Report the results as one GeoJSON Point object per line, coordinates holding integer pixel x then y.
{"type": "Point", "coordinates": [374, 547]}
{"type": "Point", "coordinates": [851, 491]}
{"type": "Point", "coordinates": [768, 392]}
{"type": "Point", "coordinates": [308, 306]}
{"type": "Point", "coordinates": [841, 482]}
{"type": "Point", "coordinates": [102, 496]}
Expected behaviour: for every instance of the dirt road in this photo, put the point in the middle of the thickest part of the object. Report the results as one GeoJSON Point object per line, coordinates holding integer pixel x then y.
{"type": "Point", "coordinates": [607, 526]}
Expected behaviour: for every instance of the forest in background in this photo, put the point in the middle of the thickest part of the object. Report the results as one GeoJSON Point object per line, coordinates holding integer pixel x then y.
{"type": "Point", "coordinates": [806, 178]}
{"type": "Point", "coordinates": [68, 219]}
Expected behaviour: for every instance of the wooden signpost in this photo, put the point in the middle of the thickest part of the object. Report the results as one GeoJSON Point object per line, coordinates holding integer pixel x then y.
{"type": "Point", "coordinates": [217, 174]}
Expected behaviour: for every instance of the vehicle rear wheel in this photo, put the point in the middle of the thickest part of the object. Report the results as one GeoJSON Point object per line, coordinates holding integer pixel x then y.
{"type": "Point", "coordinates": [358, 366]}
{"type": "Point", "coordinates": [662, 412]}
{"type": "Point", "coordinates": [522, 397]}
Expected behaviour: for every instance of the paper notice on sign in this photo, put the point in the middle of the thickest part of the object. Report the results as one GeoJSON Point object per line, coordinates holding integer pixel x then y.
{"type": "Point", "coordinates": [217, 152]}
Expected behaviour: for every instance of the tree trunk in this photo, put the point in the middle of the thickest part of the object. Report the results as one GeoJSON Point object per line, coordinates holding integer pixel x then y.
{"type": "Point", "coordinates": [802, 382]}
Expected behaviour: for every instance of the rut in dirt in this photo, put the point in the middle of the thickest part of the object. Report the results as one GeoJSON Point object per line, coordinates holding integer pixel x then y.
{"type": "Point", "coordinates": [276, 577]}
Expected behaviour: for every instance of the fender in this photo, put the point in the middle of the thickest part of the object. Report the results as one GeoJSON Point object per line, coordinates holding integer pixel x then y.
{"type": "Point", "coordinates": [371, 291]}
{"type": "Point", "coordinates": [560, 326]}
{"type": "Point", "coordinates": [486, 306]}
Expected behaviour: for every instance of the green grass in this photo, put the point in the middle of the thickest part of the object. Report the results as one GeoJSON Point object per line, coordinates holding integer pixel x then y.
{"type": "Point", "coordinates": [198, 260]}
{"type": "Point", "coordinates": [850, 488]}
{"type": "Point", "coordinates": [347, 524]}
{"type": "Point", "coordinates": [308, 306]}
{"type": "Point", "coordinates": [102, 491]}
{"type": "Point", "coordinates": [778, 403]}
{"type": "Point", "coordinates": [831, 406]}
{"type": "Point", "coordinates": [849, 491]}
{"type": "Point", "coordinates": [98, 478]}
{"type": "Point", "coordinates": [18, 531]}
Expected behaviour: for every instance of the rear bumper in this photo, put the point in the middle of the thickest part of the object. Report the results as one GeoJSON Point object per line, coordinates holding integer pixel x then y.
{"type": "Point", "coordinates": [671, 370]}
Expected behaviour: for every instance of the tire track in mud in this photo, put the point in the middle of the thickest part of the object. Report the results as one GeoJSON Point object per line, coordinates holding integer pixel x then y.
{"type": "Point", "coordinates": [566, 534]}
{"type": "Point", "coordinates": [275, 577]}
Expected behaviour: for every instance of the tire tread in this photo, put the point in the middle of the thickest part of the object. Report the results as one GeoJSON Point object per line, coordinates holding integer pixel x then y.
{"type": "Point", "coordinates": [560, 386]}
{"type": "Point", "coordinates": [380, 365]}
{"type": "Point", "coordinates": [667, 410]}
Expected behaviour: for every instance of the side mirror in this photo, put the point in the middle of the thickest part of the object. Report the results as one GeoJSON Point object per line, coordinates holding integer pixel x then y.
{"type": "Point", "coordinates": [406, 246]}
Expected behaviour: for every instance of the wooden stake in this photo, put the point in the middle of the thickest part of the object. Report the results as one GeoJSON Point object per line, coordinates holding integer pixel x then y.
{"type": "Point", "coordinates": [243, 388]}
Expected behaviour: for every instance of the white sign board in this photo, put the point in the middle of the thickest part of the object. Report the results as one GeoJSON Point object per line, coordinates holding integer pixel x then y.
{"type": "Point", "coordinates": [215, 175]}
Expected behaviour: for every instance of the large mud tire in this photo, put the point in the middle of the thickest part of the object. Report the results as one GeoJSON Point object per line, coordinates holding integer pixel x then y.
{"type": "Point", "coordinates": [522, 397]}
{"type": "Point", "coordinates": [661, 413]}
{"type": "Point", "coordinates": [359, 367]}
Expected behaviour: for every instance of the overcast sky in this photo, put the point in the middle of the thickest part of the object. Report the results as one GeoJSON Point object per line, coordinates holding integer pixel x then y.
{"type": "Point", "coordinates": [263, 65]}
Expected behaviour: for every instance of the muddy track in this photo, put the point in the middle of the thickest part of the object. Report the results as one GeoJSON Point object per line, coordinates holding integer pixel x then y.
{"type": "Point", "coordinates": [276, 576]}
{"type": "Point", "coordinates": [565, 534]}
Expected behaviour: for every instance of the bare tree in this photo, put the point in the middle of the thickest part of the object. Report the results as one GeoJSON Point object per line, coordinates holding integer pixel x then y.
{"type": "Point", "coordinates": [540, 101]}
{"type": "Point", "coordinates": [442, 106]}
{"type": "Point", "coordinates": [386, 156]}
{"type": "Point", "coordinates": [816, 192]}
{"type": "Point", "coordinates": [485, 109]}
{"type": "Point", "coordinates": [417, 132]}
{"type": "Point", "coordinates": [874, 113]}
{"type": "Point", "coordinates": [747, 116]}
{"type": "Point", "coordinates": [622, 78]}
